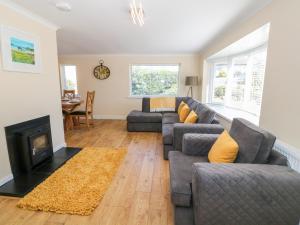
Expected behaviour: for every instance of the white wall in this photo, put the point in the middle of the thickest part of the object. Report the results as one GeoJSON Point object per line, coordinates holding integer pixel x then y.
{"type": "Point", "coordinates": [25, 96]}
{"type": "Point", "coordinates": [112, 95]}
{"type": "Point", "coordinates": [280, 106]}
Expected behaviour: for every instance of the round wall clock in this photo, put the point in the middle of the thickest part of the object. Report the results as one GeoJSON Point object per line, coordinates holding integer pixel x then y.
{"type": "Point", "coordinates": [101, 72]}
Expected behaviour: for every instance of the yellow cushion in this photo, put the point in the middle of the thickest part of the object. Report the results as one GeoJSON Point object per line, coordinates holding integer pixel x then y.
{"type": "Point", "coordinates": [192, 117]}
{"type": "Point", "coordinates": [224, 150]}
{"type": "Point", "coordinates": [184, 112]}
{"type": "Point", "coordinates": [180, 106]}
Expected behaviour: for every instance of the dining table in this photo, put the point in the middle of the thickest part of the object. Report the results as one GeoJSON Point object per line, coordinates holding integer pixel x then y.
{"type": "Point", "coordinates": [69, 106]}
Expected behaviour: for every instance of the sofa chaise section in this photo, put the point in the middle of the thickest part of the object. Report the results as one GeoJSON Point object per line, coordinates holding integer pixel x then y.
{"type": "Point", "coordinates": [144, 121]}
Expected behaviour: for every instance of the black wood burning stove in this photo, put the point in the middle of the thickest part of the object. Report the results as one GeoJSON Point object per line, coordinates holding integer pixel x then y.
{"type": "Point", "coordinates": [35, 146]}
{"type": "Point", "coordinates": [29, 144]}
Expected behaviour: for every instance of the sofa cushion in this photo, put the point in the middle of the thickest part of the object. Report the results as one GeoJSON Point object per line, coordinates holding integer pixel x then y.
{"type": "Point", "coordinates": [224, 150]}
{"type": "Point", "coordinates": [255, 144]}
{"type": "Point", "coordinates": [192, 103]}
{"type": "Point", "coordinates": [205, 115]}
{"type": "Point", "coordinates": [179, 100]}
{"type": "Point", "coordinates": [144, 117]}
{"type": "Point", "coordinates": [146, 105]}
{"type": "Point", "coordinates": [181, 177]}
{"type": "Point", "coordinates": [167, 133]}
{"type": "Point", "coordinates": [170, 118]}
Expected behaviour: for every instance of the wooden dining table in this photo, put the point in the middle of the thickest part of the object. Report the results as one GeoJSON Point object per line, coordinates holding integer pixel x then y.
{"type": "Point", "coordinates": [68, 106]}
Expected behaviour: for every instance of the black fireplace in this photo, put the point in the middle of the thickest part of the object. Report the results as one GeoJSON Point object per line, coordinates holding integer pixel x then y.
{"type": "Point", "coordinates": [29, 144]}
{"type": "Point", "coordinates": [31, 155]}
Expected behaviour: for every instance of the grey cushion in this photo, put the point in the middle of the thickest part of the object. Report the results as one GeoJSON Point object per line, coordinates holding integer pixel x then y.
{"type": "Point", "coordinates": [181, 177]}
{"type": "Point", "coordinates": [205, 114]}
{"type": "Point", "coordinates": [179, 100]}
{"type": "Point", "coordinates": [144, 117]}
{"type": "Point", "coordinates": [276, 158]}
{"type": "Point", "coordinates": [146, 105]}
{"type": "Point", "coordinates": [255, 144]}
{"type": "Point", "coordinates": [170, 118]}
{"type": "Point", "coordinates": [198, 144]}
{"type": "Point", "coordinates": [192, 104]}
{"type": "Point", "coordinates": [167, 133]}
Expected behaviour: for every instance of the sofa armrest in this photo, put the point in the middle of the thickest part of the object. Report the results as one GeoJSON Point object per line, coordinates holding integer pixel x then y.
{"type": "Point", "coordinates": [240, 194]}
{"type": "Point", "coordinates": [182, 128]}
{"type": "Point", "coordinates": [198, 144]}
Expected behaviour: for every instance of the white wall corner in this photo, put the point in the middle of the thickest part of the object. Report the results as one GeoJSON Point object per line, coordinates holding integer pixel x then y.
{"type": "Point", "coordinates": [57, 147]}
{"type": "Point", "coordinates": [19, 9]}
{"type": "Point", "coordinates": [110, 117]}
{"type": "Point", "coordinates": [6, 179]}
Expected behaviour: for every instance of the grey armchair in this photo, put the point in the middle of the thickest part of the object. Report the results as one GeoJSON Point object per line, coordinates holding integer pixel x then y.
{"type": "Point", "coordinates": [248, 192]}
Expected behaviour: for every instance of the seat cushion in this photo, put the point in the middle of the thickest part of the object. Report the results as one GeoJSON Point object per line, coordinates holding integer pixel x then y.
{"type": "Point", "coordinates": [205, 115]}
{"type": "Point", "coordinates": [181, 177]}
{"type": "Point", "coordinates": [170, 118]}
{"type": "Point", "coordinates": [167, 133]}
{"type": "Point", "coordinates": [144, 117]}
{"type": "Point", "coordinates": [255, 144]}
{"type": "Point", "coordinates": [80, 113]}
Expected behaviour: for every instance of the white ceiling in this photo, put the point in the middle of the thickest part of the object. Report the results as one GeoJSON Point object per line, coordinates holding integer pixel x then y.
{"type": "Point", "coordinates": [171, 26]}
{"type": "Point", "coordinates": [253, 40]}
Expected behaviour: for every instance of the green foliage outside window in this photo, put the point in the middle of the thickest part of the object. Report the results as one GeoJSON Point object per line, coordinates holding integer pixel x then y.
{"type": "Point", "coordinates": [220, 92]}
{"type": "Point", "coordinates": [154, 80]}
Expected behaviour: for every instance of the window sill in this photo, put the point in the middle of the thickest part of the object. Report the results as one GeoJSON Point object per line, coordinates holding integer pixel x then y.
{"type": "Point", "coordinates": [229, 113]}
{"type": "Point", "coordinates": [151, 96]}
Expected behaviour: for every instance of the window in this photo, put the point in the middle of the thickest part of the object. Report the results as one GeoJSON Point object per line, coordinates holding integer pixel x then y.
{"type": "Point", "coordinates": [237, 78]}
{"type": "Point", "coordinates": [69, 78]}
{"type": "Point", "coordinates": [154, 80]}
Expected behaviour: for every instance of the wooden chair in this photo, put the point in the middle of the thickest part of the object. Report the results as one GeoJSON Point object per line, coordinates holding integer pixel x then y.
{"type": "Point", "coordinates": [87, 114]}
{"type": "Point", "coordinates": [69, 94]}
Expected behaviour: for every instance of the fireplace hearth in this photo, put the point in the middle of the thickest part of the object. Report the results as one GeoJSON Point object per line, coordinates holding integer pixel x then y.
{"type": "Point", "coordinates": [31, 155]}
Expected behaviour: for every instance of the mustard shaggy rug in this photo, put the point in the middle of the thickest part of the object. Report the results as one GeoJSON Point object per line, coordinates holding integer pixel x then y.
{"type": "Point", "coordinates": [79, 185]}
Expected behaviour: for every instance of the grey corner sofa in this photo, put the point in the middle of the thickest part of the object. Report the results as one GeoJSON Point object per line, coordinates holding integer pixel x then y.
{"type": "Point", "coordinates": [168, 123]}
{"type": "Point", "coordinates": [258, 189]}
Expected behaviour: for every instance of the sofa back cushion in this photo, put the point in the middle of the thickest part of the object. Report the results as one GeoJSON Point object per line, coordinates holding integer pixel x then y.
{"type": "Point", "coordinates": [179, 100]}
{"type": "Point", "coordinates": [146, 105]}
{"type": "Point", "coordinates": [255, 144]}
{"type": "Point", "coordinates": [205, 115]}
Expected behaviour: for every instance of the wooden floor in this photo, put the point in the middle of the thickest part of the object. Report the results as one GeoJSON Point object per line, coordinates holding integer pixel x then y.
{"type": "Point", "coordinates": [139, 193]}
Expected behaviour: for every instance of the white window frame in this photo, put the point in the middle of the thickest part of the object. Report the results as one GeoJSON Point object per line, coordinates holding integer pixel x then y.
{"type": "Point", "coordinates": [229, 60]}
{"type": "Point", "coordinates": [157, 64]}
{"type": "Point", "coordinates": [63, 77]}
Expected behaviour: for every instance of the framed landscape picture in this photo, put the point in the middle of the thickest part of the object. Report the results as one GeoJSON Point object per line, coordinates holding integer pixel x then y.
{"type": "Point", "coordinates": [20, 51]}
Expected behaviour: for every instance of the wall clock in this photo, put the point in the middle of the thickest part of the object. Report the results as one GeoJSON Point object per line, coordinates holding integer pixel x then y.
{"type": "Point", "coordinates": [101, 72]}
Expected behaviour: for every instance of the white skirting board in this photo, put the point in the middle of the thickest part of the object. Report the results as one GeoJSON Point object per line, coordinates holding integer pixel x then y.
{"type": "Point", "coordinates": [292, 154]}
{"type": "Point", "coordinates": [56, 148]}
{"type": "Point", "coordinates": [6, 179]}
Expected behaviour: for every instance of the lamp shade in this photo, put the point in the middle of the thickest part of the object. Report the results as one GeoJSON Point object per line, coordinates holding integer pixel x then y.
{"type": "Point", "coordinates": [191, 81]}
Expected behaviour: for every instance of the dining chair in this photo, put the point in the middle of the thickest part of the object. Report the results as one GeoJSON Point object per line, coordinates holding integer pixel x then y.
{"type": "Point", "coordinates": [69, 94]}
{"type": "Point", "coordinates": [87, 114]}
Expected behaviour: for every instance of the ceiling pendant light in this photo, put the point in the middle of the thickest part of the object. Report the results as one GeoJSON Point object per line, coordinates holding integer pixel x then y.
{"type": "Point", "coordinates": [137, 13]}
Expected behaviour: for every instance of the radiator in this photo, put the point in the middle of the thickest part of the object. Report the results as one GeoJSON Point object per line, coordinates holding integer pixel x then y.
{"type": "Point", "coordinates": [292, 154]}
